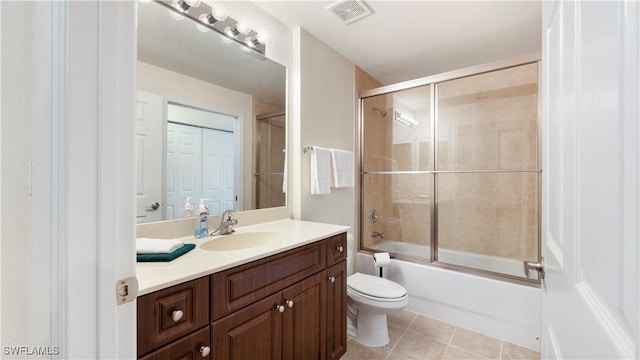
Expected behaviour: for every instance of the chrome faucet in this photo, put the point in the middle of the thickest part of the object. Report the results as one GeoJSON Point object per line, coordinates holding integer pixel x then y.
{"type": "Point", "coordinates": [226, 225]}
{"type": "Point", "coordinates": [376, 234]}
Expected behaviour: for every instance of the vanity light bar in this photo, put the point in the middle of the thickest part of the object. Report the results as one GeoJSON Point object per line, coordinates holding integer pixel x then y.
{"type": "Point", "coordinates": [404, 119]}
{"type": "Point", "coordinates": [217, 20]}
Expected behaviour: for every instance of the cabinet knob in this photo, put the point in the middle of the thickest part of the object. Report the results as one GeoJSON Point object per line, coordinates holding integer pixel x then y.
{"type": "Point", "coordinates": [177, 315]}
{"type": "Point", "coordinates": [290, 303]}
{"type": "Point", "coordinates": [340, 249]}
{"type": "Point", "coordinates": [204, 351]}
{"type": "Point", "coordinates": [332, 279]}
{"type": "Point", "coordinates": [280, 308]}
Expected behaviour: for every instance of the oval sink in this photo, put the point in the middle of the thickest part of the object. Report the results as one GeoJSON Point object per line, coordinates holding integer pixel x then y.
{"type": "Point", "coordinates": [241, 241]}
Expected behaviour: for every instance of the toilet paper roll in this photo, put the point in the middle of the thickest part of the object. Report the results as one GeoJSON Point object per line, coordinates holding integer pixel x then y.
{"type": "Point", "coordinates": [381, 259]}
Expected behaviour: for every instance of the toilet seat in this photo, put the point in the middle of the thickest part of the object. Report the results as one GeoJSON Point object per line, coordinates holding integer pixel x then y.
{"type": "Point", "coordinates": [375, 288]}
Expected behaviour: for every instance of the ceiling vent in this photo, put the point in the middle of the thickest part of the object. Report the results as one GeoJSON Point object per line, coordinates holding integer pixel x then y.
{"type": "Point", "coordinates": [350, 10]}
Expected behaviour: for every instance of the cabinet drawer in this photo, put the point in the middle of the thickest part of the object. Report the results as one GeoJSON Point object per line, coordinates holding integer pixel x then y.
{"type": "Point", "coordinates": [168, 314]}
{"type": "Point", "coordinates": [242, 285]}
{"type": "Point", "coordinates": [336, 249]}
{"type": "Point", "coordinates": [194, 346]}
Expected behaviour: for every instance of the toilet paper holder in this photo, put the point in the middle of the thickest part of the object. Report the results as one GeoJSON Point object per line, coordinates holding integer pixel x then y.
{"type": "Point", "coordinates": [381, 260]}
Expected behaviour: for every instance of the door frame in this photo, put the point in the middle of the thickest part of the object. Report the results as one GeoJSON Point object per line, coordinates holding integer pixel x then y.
{"type": "Point", "coordinates": [93, 191]}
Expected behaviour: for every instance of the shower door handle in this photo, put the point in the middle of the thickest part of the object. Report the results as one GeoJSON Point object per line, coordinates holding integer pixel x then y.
{"type": "Point", "coordinates": [537, 266]}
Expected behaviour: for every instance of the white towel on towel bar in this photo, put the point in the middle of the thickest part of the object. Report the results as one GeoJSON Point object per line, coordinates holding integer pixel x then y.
{"type": "Point", "coordinates": [157, 246]}
{"type": "Point", "coordinates": [320, 171]}
{"type": "Point", "coordinates": [343, 168]}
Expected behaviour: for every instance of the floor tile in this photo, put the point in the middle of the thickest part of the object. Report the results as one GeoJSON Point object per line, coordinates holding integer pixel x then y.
{"type": "Point", "coordinates": [431, 328]}
{"type": "Point", "coordinates": [357, 351]}
{"type": "Point", "coordinates": [454, 353]}
{"type": "Point", "coordinates": [401, 319]}
{"type": "Point", "coordinates": [395, 332]}
{"type": "Point", "coordinates": [476, 343]}
{"type": "Point", "coordinates": [416, 346]}
{"type": "Point", "coordinates": [511, 351]}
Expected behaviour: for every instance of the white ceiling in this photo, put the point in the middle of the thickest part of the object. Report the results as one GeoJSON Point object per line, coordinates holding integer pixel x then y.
{"type": "Point", "coordinates": [405, 40]}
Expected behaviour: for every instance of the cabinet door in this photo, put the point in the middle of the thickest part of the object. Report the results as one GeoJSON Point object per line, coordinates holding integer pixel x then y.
{"type": "Point", "coordinates": [304, 320]}
{"type": "Point", "coordinates": [337, 310]}
{"type": "Point", "coordinates": [336, 249]}
{"type": "Point", "coordinates": [194, 346]}
{"type": "Point", "coordinates": [254, 332]}
{"type": "Point", "coordinates": [167, 315]}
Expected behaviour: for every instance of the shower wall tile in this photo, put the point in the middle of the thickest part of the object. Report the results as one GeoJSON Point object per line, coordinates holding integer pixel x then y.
{"type": "Point", "coordinates": [489, 214]}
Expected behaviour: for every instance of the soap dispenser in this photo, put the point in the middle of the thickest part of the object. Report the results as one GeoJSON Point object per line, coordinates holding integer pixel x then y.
{"type": "Point", "coordinates": [202, 228]}
{"type": "Point", "coordinates": [186, 208]}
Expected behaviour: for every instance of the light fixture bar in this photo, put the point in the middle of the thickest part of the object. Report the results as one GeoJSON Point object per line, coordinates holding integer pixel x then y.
{"type": "Point", "coordinates": [217, 20]}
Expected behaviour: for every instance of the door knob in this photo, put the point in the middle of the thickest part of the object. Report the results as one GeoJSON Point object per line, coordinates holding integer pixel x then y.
{"type": "Point", "coordinates": [340, 249]}
{"type": "Point", "coordinates": [290, 303]}
{"type": "Point", "coordinates": [537, 266]}
{"type": "Point", "coordinates": [280, 308]}
{"type": "Point", "coordinates": [332, 279]}
{"type": "Point", "coordinates": [154, 206]}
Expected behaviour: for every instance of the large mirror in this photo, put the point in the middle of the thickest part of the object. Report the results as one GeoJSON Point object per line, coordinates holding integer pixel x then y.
{"type": "Point", "coordinates": [211, 121]}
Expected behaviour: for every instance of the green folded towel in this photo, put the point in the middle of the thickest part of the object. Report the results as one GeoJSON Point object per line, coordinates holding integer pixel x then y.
{"type": "Point", "coordinates": [166, 257]}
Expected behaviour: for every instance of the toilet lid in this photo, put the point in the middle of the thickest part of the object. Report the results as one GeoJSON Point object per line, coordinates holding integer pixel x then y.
{"type": "Point", "coordinates": [375, 286]}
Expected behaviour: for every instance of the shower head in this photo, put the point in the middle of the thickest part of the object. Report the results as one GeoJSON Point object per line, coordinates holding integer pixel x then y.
{"type": "Point", "coordinates": [381, 112]}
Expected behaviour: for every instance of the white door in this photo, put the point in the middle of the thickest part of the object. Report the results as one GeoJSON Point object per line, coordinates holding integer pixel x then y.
{"type": "Point", "coordinates": [184, 167]}
{"type": "Point", "coordinates": [590, 192]}
{"type": "Point", "coordinates": [217, 177]}
{"type": "Point", "coordinates": [149, 128]}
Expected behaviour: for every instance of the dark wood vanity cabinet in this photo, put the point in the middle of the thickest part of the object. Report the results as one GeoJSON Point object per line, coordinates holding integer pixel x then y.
{"type": "Point", "coordinates": [337, 310]}
{"type": "Point", "coordinates": [290, 305]}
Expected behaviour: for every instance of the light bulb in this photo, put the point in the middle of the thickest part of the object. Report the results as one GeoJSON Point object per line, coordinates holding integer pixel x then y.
{"type": "Point", "coordinates": [262, 37]}
{"type": "Point", "coordinates": [243, 28]}
{"type": "Point", "coordinates": [219, 12]}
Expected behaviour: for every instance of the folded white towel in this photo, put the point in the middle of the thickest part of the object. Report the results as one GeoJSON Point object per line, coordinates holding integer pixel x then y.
{"type": "Point", "coordinates": [343, 168]}
{"type": "Point", "coordinates": [320, 170]}
{"type": "Point", "coordinates": [157, 246]}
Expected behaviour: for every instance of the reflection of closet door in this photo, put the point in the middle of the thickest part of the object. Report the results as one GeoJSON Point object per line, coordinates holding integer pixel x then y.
{"type": "Point", "coordinates": [149, 157]}
{"type": "Point", "coordinates": [184, 167]}
{"type": "Point", "coordinates": [217, 167]}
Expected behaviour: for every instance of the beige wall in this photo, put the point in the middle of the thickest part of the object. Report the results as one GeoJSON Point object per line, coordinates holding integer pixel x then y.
{"type": "Point", "coordinates": [326, 89]}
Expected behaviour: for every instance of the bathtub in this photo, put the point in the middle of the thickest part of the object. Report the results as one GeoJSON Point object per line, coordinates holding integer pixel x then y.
{"type": "Point", "coordinates": [500, 309]}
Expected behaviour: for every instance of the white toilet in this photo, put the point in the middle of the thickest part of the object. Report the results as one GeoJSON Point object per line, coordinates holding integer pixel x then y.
{"type": "Point", "coordinates": [370, 299]}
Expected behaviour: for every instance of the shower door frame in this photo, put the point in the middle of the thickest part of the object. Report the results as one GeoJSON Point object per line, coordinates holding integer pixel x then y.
{"type": "Point", "coordinates": [431, 81]}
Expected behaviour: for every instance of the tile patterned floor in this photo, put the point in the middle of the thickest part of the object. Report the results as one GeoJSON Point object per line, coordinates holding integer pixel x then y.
{"type": "Point", "coordinates": [415, 336]}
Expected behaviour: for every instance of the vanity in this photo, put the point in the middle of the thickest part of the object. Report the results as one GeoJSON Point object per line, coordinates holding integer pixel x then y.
{"type": "Point", "coordinates": [283, 297]}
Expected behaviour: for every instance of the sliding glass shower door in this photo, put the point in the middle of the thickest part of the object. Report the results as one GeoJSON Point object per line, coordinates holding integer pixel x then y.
{"type": "Point", "coordinates": [397, 172]}
{"type": "Point", "coordinates": [450, 171]}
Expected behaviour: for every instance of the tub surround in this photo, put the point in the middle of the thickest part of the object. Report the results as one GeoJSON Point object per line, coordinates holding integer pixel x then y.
{"type": "Point", "coordinates": [199, 262]}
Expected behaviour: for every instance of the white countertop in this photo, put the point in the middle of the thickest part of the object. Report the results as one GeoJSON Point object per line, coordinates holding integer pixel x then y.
{"type": "Point", "coordinates": [153, 276]}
